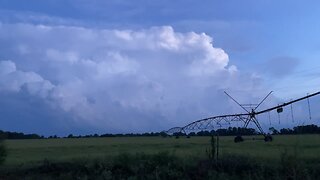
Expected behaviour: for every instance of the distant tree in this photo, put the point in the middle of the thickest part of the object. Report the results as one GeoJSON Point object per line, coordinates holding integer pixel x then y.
{"type": "Point", "coordinates": [163, 134]}
{"type": "Point", "coordinates": [274, 130]}
{"type": "Point", "coordinates": [286, 131]}
{"type": "Point", "coordinates": [307, 129]}
{"type": "Point", "coordinates": [203, 133]}
{"type": "Point", "coordinates": [212, 132]}
{"type": "Point", "coordinates": [179, 134]}
{"type": "Point", "coordinates": [70, 136]}
{"type": "Point", "coordinates": [16, 135]}
{"type": "Point", "coordinates": [223, 132]}
{"type": "Point", "coordinates": [107, 135]}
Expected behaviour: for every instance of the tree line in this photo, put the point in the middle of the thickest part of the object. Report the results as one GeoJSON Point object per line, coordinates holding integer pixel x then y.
{"type": "Point", "coordinates": [306, 129]}
{"type": "Point", "coordinates": [231, 131]}
{"type": "Point", "coordinates": [18, 135]}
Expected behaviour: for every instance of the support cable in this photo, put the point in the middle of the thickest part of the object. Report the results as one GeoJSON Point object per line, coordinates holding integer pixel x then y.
{"type": "Point", "coordinates": [292, 113]}
{"type": "Point", "coordinates": [269, 118]}
{"type": "Point", "coordinates": [309, 108]}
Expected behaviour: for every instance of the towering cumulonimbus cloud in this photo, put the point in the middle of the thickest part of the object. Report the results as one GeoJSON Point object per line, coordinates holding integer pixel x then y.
{"type": "Point", "coordinates": [119, 80]}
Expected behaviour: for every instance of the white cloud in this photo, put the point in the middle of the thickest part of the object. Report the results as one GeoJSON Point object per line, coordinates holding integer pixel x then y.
{"type": "Point", "coordinates": [13, 80]}
{"type": "Point", "coordinates": [7, 67]}
{"type": "Point", "coordinates": [121, 80]}
{"type": "Point", "coordinates": [55, 55]}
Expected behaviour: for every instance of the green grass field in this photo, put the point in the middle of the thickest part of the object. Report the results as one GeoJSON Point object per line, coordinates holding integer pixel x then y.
{"type": "Point", "coordinates": [28, 152]}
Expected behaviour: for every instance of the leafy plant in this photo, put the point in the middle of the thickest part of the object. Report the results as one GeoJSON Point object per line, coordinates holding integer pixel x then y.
{"type": "Point", "coordinates": [3, 151]}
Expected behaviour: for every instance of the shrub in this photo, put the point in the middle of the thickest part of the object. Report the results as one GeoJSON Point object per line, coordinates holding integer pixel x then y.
{"type": "Point", "coordinates": [3, 152]}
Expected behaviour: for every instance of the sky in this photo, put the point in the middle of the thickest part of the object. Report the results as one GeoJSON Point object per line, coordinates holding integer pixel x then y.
{"type": "Point", "coordinates": [122, 66]}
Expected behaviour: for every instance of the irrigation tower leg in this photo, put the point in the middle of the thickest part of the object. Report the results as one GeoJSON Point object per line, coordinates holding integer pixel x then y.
{"type": "Point", "coordinates": [267, 137]}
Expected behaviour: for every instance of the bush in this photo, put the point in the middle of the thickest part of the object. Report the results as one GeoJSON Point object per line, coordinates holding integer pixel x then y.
{"type": "Point", "coordinates": [3, 152]}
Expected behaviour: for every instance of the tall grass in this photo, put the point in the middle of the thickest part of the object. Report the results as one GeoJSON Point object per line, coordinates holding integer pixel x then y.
{"type": "Point", "coordinates": [165, 165]}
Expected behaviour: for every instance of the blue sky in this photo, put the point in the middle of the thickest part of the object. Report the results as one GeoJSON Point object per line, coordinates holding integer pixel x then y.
{"type": "Point", "coordinates": [133, 66]}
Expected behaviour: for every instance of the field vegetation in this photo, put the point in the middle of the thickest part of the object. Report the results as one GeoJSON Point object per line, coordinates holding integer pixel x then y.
{"type": "Point", "coordinates": [288, 156]}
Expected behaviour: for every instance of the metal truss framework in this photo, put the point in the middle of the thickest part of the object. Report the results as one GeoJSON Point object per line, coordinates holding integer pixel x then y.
{"type": "Point", "coordinates": [217, 122]}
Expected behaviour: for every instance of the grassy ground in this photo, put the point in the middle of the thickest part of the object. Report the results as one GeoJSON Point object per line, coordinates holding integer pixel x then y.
{"type": "Point", "coordinates": [28, 152]}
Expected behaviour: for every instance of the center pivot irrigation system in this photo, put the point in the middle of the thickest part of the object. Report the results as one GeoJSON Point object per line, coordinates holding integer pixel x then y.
{"type": "Point", "coordinates": [217, 122]}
